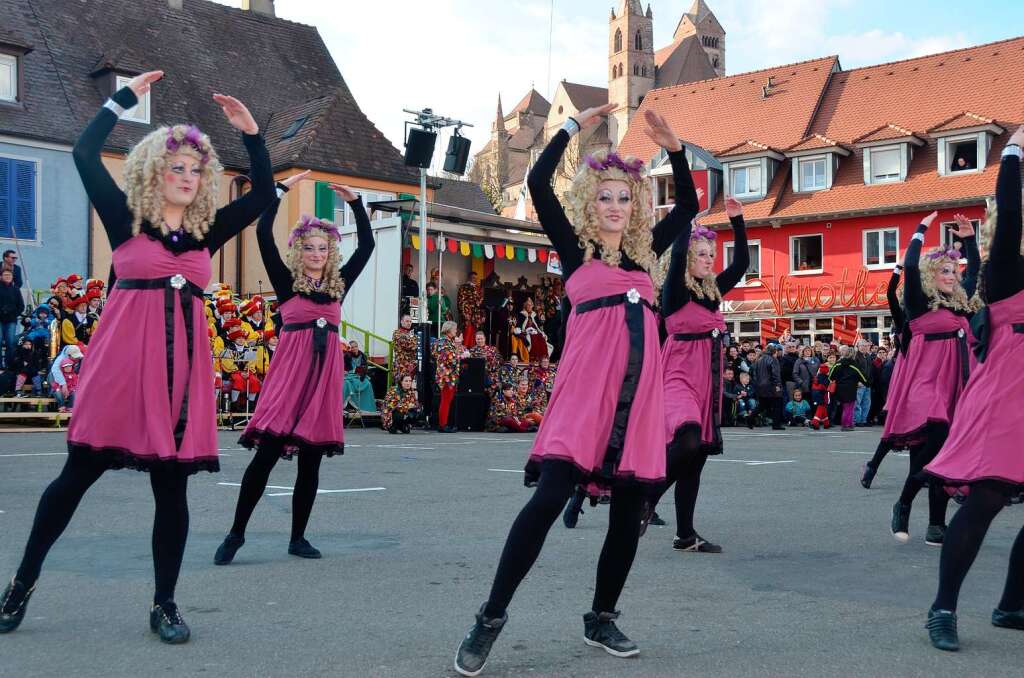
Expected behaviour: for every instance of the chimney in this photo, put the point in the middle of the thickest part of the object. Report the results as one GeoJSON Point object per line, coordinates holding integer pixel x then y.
{"type": "Point", "coordinates": [764, 92]}
{"type": "Point", "coordinates": [259, 6]}
{"type": "Point", "coordinates": [175, 4]}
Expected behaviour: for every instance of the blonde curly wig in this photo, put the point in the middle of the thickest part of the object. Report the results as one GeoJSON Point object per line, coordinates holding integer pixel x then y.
{"type": "Point", "coordinates": [331, 283]}
{"type": "Point", "coordinates": [144, 180]}
{"type": "Point", "coordinates": [637, 239]}
{"type": "Point", "coordinates": [706, 288]}
{"type": "Point", "coordinates": [930, 267]}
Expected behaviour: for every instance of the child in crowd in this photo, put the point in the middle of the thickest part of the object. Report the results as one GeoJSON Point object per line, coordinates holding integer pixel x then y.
{"type": "Point", "coordinates": [820, 397]}
{"type": "Point", "coordinates": [746, 404]}
{"type": "Point", "coordinates": [28, 364]}
{"type": "Point", "coordinates": [797, 409]}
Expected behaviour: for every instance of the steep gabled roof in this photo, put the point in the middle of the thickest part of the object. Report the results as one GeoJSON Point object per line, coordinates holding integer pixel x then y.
{"type": "Point", "coordinates": [681, 62]}
{"type": "Point", "coordinates": [585, 96]}
{"type": "Point", "coordinates": [889, 132]}
{"type": "Point", "coordinates": [817, 142]}
{"type": "Point", "coordinates": [964, 120]}
{"type": "Point", "coordinates": [533, 102]}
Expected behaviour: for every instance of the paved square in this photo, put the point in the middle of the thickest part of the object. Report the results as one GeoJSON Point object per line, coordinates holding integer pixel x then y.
{"type": "Point", "coordinates": [811, 582]}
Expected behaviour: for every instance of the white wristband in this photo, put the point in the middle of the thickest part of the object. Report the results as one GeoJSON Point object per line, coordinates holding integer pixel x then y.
{"type": "Point", "coordinates": [116, 108]}
{"type": "Point", "coordinates": [571, 127]}
{"type": "Point", "coordinates": [1013, 149]}
{"type": "Point", "coordinates": [280, 191]}
{"type": "Point", "coordinates": [919, 236]}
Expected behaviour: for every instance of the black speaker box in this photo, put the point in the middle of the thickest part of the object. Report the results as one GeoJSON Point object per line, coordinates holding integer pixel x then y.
{"type": "Point", "coordinates": [458, 155]}
{"type": "Point", "coordinates": [419, 148]}
{"type": "Point", "coordinates": [471, 375]}
{"type": "Point", "coordinates": [470, 411]}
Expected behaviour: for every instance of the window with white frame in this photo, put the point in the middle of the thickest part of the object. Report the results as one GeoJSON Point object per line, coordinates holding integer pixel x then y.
{"type": "Point", "coordinates": [343, 215]}
{"type": "Point", "coordinates": [881, 248]}
{"type": "Point", "coordinates": [665, 196]}
{"type": "Point", "coordinates": [812, 174]}
{"type": "Point", "coordinates": [140, 111]}
{"type": "Point", "coordinates": [806, 254]}
{"type": "Point", "coordinates": [745, 181]}
{"type": "Point", "coordinates": [874, 327]}
{"type": "Point", "coordinates": [962, 155]}
{"type": "Point", "coordinates": [744, 330]}
{"type": "Point", "coordinates": [885, 164]}
{"type": "Point", "coordinates": [8, 77]}
{"type": "Point", "coordinates": [754, 268]}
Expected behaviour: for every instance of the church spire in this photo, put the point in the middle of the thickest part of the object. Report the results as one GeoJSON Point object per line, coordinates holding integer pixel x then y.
{"type": "Point", "coordinates": [499, 121]}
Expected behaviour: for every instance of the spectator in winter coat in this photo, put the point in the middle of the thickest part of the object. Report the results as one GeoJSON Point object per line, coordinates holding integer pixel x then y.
{"type": "Point", "coordinates": [746, 402]}
{"type": "Point", "coordinates": [863, 360]}
{"type": "Point", "coordinates": [848, 378]}
{"type": "Point", "coordinates": [787, 362]}
{"type": "Point", "coordinates": [28, 364]}
{"type": "Point", "coordinates": [820, 397]}
{"type": "Point", "coordinates": [728, 396]}
{"type": "Point", "coordinates": [11, 306]}
{"type": "Point", "coordinates": [805, 369]}
{"type": "Point", "coordinates": [878, 390]}
{"type": "Point", "coordinates": [766, 374]}
{"type": "Point", "coordinates": [64, 377]}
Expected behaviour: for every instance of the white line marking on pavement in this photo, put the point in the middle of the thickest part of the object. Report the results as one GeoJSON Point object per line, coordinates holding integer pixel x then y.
{"type": "Point", "coordinates": [272, 487]}
{"type": "Point", "coordinates": [507, 470]}
{"type": "Point", "coordinates": [359, 489]}
{"type": "Point", "coordinates": [754, 462]}
{"type": "Point", "coordinates": [404, 447]}
{"type": "Point", "coordinates": [500, 440]}
{"type": "Point", "coordinates": [36, 454]}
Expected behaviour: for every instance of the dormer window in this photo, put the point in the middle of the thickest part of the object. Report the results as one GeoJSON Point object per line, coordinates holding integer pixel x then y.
{"type": "Point", "coordinates": [748, 169]}
{"type": "Point", "coordinates": [745, 180]}
{"type": "Point", "coordinates": [812, 173]}
{"type": "Point", "coordinates": [884, 164]}
{"type": "Point", "coordinates": [8, 77]}
{"type": "Point", "coordinates": [815, 161]}
{"type": "Point", "coordinates": [139, 112]}
{"type": "Point", "coordinates": [964, 142]}
{"type": "Point", "coordinates": [888, 151]}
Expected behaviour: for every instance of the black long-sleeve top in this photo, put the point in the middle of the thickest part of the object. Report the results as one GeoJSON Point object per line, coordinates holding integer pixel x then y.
{"type": "Point", "coordinates": [675, 294]}
{"type": "Point", "coordinates": [561, 233]}
{"type": "Point", "coordinates": [281, 277]}
{"type": "Point", "coordinates": [895, 310]}
{"type": "Point", "coordinates": [112, 205]}
{"type": "Point", "coordinates": [1004, 272]}
{"type": "Point", "coordinates": [914, 299]}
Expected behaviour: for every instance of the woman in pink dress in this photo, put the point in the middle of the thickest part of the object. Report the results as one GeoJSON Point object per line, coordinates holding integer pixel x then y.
{"type": "Point", "coordinates": [162, 234]}
{"type": "Point", "coordinates": [605, 419]}
{"type": "Point", "coordinates": [921, 403]}
{"type": "Point", "coordinates": [300, 408]}
{"type": "Point", "coordinates": [692, 360]}
{"type": "Point", "coordinates": [983, 448]}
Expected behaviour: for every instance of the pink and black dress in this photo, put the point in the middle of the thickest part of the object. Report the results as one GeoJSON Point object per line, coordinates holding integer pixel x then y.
{"type": "Point", "coordinates": [692, 355]}
{"type": "Point", "coordinates": [145, 395]}
{"type": "Point", "coordinates": [984, 442]}
{"type": "Point", "coordinates": [300, 406]}
{"type": "Point", "coordinates": [606, 411]}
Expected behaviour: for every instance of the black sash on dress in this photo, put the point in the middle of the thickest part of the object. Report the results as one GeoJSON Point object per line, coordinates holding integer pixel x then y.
{"type": "Point", "coordinates": [186, 291]}
{"type": "Point", "coordinates": [634, 304]}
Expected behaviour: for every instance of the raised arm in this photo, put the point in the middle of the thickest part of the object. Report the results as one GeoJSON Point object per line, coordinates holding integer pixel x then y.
{"type": "Point", "coordinates": [549, 210]}
{"type": "Point", "coordinates": [281, 278]}
{"type": "Point", "coordinates": [104, 194]}
{"type": "Point", "coordinates": [675, 294]}
{"type": "Point", "coordinates": [914, 299]}
{"type": "Point", "coordinates": [733, 273]}
{"type": "Point", "coordinates": [231, 219]}
{"type": "Point", "coordinates": [895, 310]}
{"type": "Point", "coordinates": [687, 205]}
{"type": "Point", "coordinates": [970, 280]}
{"type": "Point", "coordinates": [364, 237]}
{"type": "Point", "coordinates": [1004, 276]}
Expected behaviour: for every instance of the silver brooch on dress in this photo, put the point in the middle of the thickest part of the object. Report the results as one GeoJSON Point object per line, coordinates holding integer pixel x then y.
{"type": "Point", "coordinates": [714, 333]}
{"type": "Point", "coordinates": [960, 333]}
{"type": "Point", "coordinates": [633, 296]}
{"type": "Point", "coordinates": [178, 281]}
{"type": "Point", "coordinates": [321, 323]}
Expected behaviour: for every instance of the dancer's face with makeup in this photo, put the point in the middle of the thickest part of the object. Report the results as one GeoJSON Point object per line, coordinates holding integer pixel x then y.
{"type": "Point", "coordinates": [314, 254]}
{"type": "Point", "coordinates": [613, 205]}
{"type": "Point", "coordinates": [703, 259]}
{"type": "Point", "coordinates": [945, 278]}
{"type": "Point", "coordinates": [181, 179]}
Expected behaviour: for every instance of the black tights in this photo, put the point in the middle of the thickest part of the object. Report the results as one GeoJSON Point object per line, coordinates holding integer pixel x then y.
{"type": "Point", "coordinates": [61, 499]}
{"type": "Point", "coordinates": [526, 538]}
{"type": "Point", "coordinates": [920, 456]}
{"type": "Point", "coordinates": [963, 540]}
{"type": "Point", "coordinates": [685, 464]}
{"type": "Point", "coordinates": [254, 484]}
{"type": "Point", "coordinates": [884, 448]}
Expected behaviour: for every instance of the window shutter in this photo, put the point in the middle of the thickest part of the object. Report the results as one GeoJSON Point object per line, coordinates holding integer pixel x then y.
{"type": "Point", "coordinates": [6, 228]}
{"type": "Point", "coordinates": [726, 180]}
{"type": "Point", "coordinates": [982, 150]}
{"type": "Point", "coordinates": [324, 203]}
{"type": "Point", "coordinates": [904, 161]}
{"type": "Point", "coordinates": [867, 166]}
{"type": "Point", "coordinates": [24, 200]}
{"type": "Point", "coordinates": [943, 169]}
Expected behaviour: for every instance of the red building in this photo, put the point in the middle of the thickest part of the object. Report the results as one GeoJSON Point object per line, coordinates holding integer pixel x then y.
{"type": "Point", "coordinates": [836, 169]}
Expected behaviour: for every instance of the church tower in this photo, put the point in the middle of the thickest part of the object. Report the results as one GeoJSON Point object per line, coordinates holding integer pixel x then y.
{"type": "Point", "coordinates": [630, 64]}
{"type": "Point", "coordinates": [702, 22]}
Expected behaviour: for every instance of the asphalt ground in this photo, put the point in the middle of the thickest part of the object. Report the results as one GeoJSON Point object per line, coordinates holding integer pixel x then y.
{"type": "Point", "coordinates": [811, 582]}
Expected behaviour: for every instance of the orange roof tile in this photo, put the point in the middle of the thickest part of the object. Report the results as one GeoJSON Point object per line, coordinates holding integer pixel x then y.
{"type": "Point", "coordinates": [887, 132]}
{"type": "Point", "coordinates": [817, 141]}
{"type": "Point", "coordinates": [961, 121]}
{"type": "Point", "coordinates": [744, 148]}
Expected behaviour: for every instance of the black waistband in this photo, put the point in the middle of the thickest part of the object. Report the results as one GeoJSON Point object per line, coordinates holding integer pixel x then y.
{"type": "Point", "coordinates": [186, 292]}
{"type": "Point", "coordinates": [174, 282]}
{"type": "Point", "coordinates": [311, 325]}
{"type": "Point", "coordinates": [697, 336]}
{"type": "Point", "coordinates": [1018, 328]}
{"type": "Point", "coordinates": [961, 337]}
{"type": "Point", "coordinates": [612, 300]}
{"type": "Point", "coordinates": [939, 336]}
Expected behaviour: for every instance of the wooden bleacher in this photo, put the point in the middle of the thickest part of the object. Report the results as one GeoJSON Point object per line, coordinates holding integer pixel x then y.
{"type": "Point", "coordinates": [31, 410]}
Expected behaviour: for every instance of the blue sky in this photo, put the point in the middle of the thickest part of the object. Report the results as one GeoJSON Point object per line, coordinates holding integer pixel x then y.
{"type": "Point", "coordinates": [457, 55]}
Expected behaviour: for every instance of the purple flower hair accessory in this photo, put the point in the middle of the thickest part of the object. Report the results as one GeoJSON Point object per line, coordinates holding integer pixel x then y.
{"type": "Point", "coordinates": [631, 168]}
{"type": "Point", "coordinates": [950, 252]}
{"type": "Point", "coordinates": [703, 232]}
{"type": "Point", "coordinates": [307, 224]}
{"type": "Point", "coordinates": [193, 138]}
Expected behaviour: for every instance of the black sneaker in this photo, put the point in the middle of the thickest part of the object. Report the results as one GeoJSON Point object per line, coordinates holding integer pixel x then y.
{"type": "Point", "coordinates": [935, 535]}
{"type": "Point", "coordinates": [13, 605]}
{"type": "Point", "coordinates": [599, 630]}
{"type": "Point", "coordinates": [227, 549]}
{"type": "Point", "coordinates": [867, 476]}
{"type": "Point", "coordinates": [303, 549]}
{"type": "Point", "coordinates": [573, 510]}
{"type": "Point", "coordinates": [941, 627]}
{"type": "Point", "coordinates": [695, 544]}
{"type": "Point", "coordinates": [901, 522]}
{"type": "Point", "coordinates": [656, 520]}
{"type": "Point", "coordinates": [1008, 620]}
{"type": "Point", "coordinates": [166, 621]}
{"type": "Point", "coordinates": [476, 646]}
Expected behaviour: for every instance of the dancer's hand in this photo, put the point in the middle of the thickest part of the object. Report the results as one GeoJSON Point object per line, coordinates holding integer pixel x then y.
{"type": "Point", "coordinates": [346, 193]}
{"type": "Point", "coordinates": [927, 221]}
{"type": "Point", "coordinates": [237, 114]}
{"type": "Point", "coordinates": [141, 84]}
{"type": "Point", "coordinates": [294, 179]}
{"type": "Point", "coordinates": [1017, 137]}
{"type": "Point", "coordinates": [660, 132]}
{"type": "Point", "coordinates": [733, 207]}
{"type": "Point", "coordinates": [965, 229]}
{"type": "Point", "coordinates": [592, 116]}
